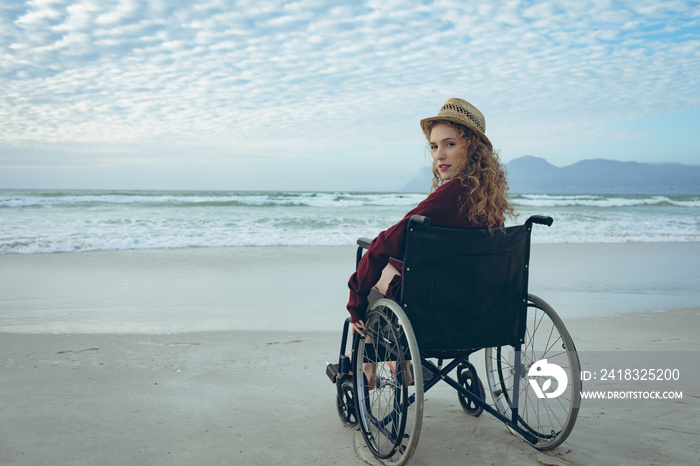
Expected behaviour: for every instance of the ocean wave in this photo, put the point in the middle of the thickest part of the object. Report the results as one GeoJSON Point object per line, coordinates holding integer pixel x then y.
{"type": "Point", "coordinates": [208, 199]}
{"type": "Point", "coordinates": [87, 233]}
{"type": "Point", "coordinates": [240, 239]}
{"type": "Point", "coordinates": [46, 222]}
{"type": "Point", "coordinates": [183, 199]}
{"type": "Point", "coordinates": [339, 237]}
{"type": "Point", "coordinates": [549, 200]}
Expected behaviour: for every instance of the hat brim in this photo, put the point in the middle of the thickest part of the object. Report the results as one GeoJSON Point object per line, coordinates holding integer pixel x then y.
{"type": "Point", "coordinates": [459, 121]}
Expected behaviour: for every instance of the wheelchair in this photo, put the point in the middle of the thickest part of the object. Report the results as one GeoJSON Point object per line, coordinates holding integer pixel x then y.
{"type": "Point", "coordinates": [463, 291]}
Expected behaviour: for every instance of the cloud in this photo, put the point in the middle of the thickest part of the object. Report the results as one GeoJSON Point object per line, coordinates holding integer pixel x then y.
{"type": "Point", "coordinates": [183, 79]}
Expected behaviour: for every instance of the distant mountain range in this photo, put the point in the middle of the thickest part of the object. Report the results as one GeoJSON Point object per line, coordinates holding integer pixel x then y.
{"type": "Point", "coordinates": [530, 174]}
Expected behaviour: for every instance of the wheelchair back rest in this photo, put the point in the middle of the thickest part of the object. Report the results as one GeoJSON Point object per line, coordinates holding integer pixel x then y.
{"type": "Point", "coordinates": [466, 289]}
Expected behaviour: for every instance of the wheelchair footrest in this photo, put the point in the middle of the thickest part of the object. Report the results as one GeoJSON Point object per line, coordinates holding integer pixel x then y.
{"type": "Point", "coordinates": [332, 371]}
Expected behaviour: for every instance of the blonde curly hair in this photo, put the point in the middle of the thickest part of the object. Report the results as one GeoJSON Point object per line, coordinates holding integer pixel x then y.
{"type": "Point", "coordinates": [485, 201]}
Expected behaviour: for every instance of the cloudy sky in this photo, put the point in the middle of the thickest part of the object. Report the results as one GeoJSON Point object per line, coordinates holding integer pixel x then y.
{"type": "Point", "coordinates": [327, 94]}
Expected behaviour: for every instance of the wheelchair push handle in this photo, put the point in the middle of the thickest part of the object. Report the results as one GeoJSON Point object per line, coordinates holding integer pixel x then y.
{"type": "Point", "coordinates": [539, 219]}
{"type": "Point", "coordinates": [421, 219]}
{"type": "Point", "coordinates": [364, 242]}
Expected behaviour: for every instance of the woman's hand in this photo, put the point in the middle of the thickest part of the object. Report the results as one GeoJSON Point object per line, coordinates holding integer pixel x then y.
{"type": "Point", "coordinates": [358, 327]}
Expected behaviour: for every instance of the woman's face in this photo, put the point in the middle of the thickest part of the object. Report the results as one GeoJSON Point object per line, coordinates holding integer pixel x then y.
{"type": "Point", "coordinates": [449, 150]}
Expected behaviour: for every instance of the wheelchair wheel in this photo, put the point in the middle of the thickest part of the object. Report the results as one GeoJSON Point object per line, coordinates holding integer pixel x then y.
{"type": "Point", "coordinates": [468, 379]}
{"type": "Point", "coordinates": [346, 404]}
{"type": "Point", "coordinates": [547, 414]}
{"type": "Point", "coordinates": [388, 392]}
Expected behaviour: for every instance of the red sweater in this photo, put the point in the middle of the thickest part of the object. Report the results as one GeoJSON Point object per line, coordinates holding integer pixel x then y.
{"type": "Point", "coordinates": [442, 206]}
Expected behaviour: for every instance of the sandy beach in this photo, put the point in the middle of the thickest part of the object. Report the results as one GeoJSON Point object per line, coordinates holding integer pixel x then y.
{"type": "Point", "coordinates": [217, 356]}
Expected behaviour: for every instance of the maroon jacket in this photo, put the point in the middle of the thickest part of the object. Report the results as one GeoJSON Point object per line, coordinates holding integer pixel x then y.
{"type": "Point", "coordinates": [442, 206]}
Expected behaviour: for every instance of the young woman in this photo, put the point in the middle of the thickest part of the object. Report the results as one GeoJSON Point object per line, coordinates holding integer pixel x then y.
{"type": "Point", "coordinates": [469, 191]}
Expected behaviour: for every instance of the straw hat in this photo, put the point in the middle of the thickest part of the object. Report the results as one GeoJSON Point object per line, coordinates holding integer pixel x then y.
{"type": "Point", "coordinates": [462, 112]}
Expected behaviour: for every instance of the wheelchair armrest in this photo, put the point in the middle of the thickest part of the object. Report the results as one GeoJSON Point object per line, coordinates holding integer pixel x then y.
{"type": "Point", "coordinates": [364, 242]}
{"type": "Point", "coordinates": [421, 219]}
{"type": "Point", "coordinates": [539, 219]}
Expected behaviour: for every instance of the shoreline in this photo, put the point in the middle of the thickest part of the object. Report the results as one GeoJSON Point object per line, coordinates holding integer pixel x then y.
{"type": "Point", "coordinates": [320, 246]}
{"type": "Point", "coordinates": [302, 288]}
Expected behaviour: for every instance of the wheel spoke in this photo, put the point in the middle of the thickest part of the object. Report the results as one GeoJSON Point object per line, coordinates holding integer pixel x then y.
{"type": "Point", "coordinates": [386, 401]}
{"type": "Point", "coordinates": [550, 419]}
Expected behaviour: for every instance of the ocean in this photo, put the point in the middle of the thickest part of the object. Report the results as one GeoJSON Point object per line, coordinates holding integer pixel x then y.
{"type": "Point", "coordinates": [43, 221]}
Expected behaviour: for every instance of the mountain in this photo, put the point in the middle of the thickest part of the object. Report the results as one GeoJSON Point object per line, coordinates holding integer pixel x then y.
{"type": "Point", "coordinates": [599, 176]}
{"type": "Point", "coordinates": [420, 183]}
{"type": "Point", "coordinates": [530, 174]}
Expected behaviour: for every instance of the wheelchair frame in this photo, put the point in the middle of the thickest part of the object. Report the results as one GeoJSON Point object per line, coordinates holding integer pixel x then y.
{"type": "Point", "coordinates": [391, 423]}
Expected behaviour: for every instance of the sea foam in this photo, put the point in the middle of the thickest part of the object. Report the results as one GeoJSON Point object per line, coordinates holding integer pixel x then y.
{"type": "Point", "coordinates": [64, 221]}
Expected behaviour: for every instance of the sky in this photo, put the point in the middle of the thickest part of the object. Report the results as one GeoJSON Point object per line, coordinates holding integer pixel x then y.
{"type": "Point", "coordinates": [328, 94]}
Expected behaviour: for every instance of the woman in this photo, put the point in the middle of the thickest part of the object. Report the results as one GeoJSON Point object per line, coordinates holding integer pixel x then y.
{"type": "Point", "coordinates": [469, 191]}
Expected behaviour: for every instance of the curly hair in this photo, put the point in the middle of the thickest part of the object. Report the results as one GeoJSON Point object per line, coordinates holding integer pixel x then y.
{"type": "Point", "coordinates": [485, 201]}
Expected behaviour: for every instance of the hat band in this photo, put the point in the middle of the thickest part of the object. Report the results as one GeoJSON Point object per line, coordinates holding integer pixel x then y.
{"type": "Point", "coordinates": [455, 108]}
